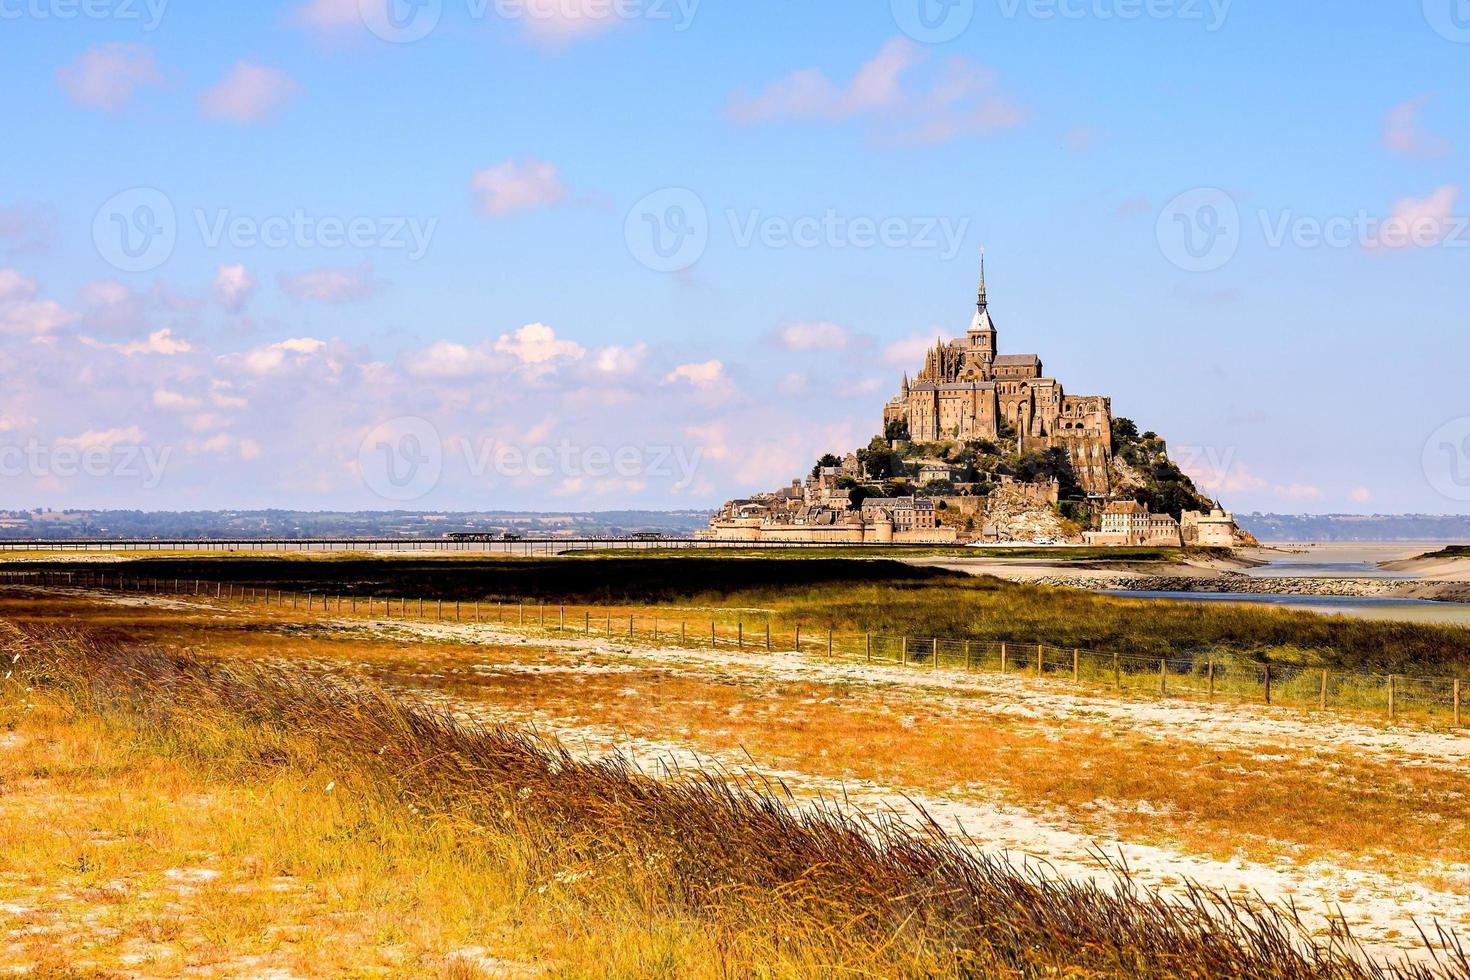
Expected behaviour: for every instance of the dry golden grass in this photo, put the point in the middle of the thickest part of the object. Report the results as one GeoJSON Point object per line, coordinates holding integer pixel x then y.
{"type": "Point", "coordinates": [197, 818]}
{"type": "Point", "coordinates": [1265, 802]}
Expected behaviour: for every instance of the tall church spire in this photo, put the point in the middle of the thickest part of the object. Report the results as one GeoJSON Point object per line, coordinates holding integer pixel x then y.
{"type": "Point", "coordinates": [982, 304]}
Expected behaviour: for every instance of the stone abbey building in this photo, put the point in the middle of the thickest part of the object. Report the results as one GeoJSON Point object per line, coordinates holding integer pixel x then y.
{"type": "Point", "coordinates": [967, 390]}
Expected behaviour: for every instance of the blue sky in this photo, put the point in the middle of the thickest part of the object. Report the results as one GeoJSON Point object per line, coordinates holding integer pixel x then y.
{"type": "Point", "coordinates": [535, 146]}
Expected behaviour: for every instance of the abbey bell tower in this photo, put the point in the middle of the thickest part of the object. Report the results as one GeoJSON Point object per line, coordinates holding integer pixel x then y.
{"type": "Point", "coordinates": [982, 328]}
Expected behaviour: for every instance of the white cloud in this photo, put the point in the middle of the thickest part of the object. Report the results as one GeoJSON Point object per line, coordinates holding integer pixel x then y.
{"type": "Point", "coordinates": [249, 93]}
{"type": "Point", "coordinates": [1420, 223]}
{"type": "Point", "coordinates": [331, 284]}
{"type": "Point", "coordinates": [536, 343]}
{"type": "Point", "coordinates": [1361, 495]}
{"type": "Point", "coordinates": [106, 292]}
{"type": "Point", "coordinates": [909, 352]}
{"type": "Point", "coordinates": [159, 342]}
{"type": "Point", "coordinates": [813, 336]}
{"type": "Point", "coordinates": [273, 358]}
{"type": "Point", "coordinates": [22, 314]}
{"type": "Point", "coordinates": [172, 400]}
{"type": "Point", "coordinates": [960, 97]}
{"type": "Point", "coordinates": [1404, 132]}
{"type": "Point", "coordinates": [105, 439]}
{"type": "Point", "coordinates": [107, 76]}
{"type": "Point", "coordinates": [518, 185]}
{"type": "Point", "coordinates": [233, 287]}
{"type": "Point", "coordinates": [619, 361]}
{"type": "Point", "coordinates": [557, 21]}
{"type": "Point", "coordinates": [1298, 491]}
{"type": "Point", "coordinates": [14, 285]}
{"type": "Point", "coordinates": [448, 359]}
{"type": "Point", "coordinates": [707, 374]}
{"type": "Point", "coordinates": [328, 15]}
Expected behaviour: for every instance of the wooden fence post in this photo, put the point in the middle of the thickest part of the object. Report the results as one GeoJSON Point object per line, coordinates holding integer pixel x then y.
{"type": "Point", "coordinates": [829, 644]}
{"type": "Point", "coordinates": [1268, 683]}
{"type": "Point", "coordinates": [1040, 663]}
{"type": "Point", "coordinates": [562, 623]}
{"type": "Point", "coordinates": [1117, 673]}
{"type": "Point", "coordinates": [1392, 692]}
{"type": "Point", "coordinates": [868, 647]}
{"type": "Point", "coordinates": [969, 661]}
{"type": "Point", "coordinates": [798, 637]}
{"type": "Point", "coordinates": [936, 653]}
{"type": "Point", "coordinates": [740, 635]}
{"type": "Point", "coordinates": [1002, 657]}
{"type": "Point", "coordinates": [1076, 665]}
{"type": "Point", "coordinates": [1322, 697]}
{"type": "Point", "coordinates": [1210, 672]}
{"type": "Point", "coordinates": [1457, 702]}
{"type": "Point", "coordinates": [1163, 678]}
{"type": "Point", "coordinates": [768, 636]}
{"type": "Point", "coordinates": [712, 643]}
{"type": "Point", "coordinates": [587, 624]}
{"type": "Point", "coordinates": [905, 653]}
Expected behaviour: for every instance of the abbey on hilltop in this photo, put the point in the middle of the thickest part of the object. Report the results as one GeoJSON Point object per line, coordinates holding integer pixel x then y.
{"type": "Point", "coordinates": [983, 447]}
{"type": "Point", "coordinates": [968, 390]}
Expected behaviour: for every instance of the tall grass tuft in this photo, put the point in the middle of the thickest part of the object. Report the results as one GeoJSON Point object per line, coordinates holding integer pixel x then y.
{"type": "Point", "coordinates": [786, 889]}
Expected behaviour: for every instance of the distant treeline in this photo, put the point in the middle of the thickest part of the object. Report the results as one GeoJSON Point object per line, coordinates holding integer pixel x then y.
{"type": "Point", "coordinates": [116, 524]}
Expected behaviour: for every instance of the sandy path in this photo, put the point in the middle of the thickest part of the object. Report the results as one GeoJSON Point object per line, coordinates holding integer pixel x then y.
{"type": "Point", "coordinates": [1044, 702]}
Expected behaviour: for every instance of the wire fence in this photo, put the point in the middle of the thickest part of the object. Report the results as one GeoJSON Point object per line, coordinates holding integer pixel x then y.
{"type": "Point", "coordinates": [1205, 675]}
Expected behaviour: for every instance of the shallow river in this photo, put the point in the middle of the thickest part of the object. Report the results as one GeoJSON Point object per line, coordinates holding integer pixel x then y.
{"type": "Point", "coordinates": [1374, 607]}
{"type": "Point", "coordinates": [1333, 560]}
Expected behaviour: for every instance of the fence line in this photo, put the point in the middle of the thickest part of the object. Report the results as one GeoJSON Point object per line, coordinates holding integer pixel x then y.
{"type": "Point", "coordinates": [1207, 675]}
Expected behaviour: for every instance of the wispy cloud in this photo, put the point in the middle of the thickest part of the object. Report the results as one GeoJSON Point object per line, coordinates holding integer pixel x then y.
{"type": "Point", "coordinates": [1404, 132]}
{"type": "Point", "coordinates": [108, 76]}
{"type": "Point", "coordinates": [1419, 222]}
{"type": "Point", "coordinates": [957, 98]}
{"type": "Point", "coordinates": [331, 284]}
{"type": "Point", "coordinates": [250, 93]}
{"type": "Point", "coordinates": [516, 186]}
